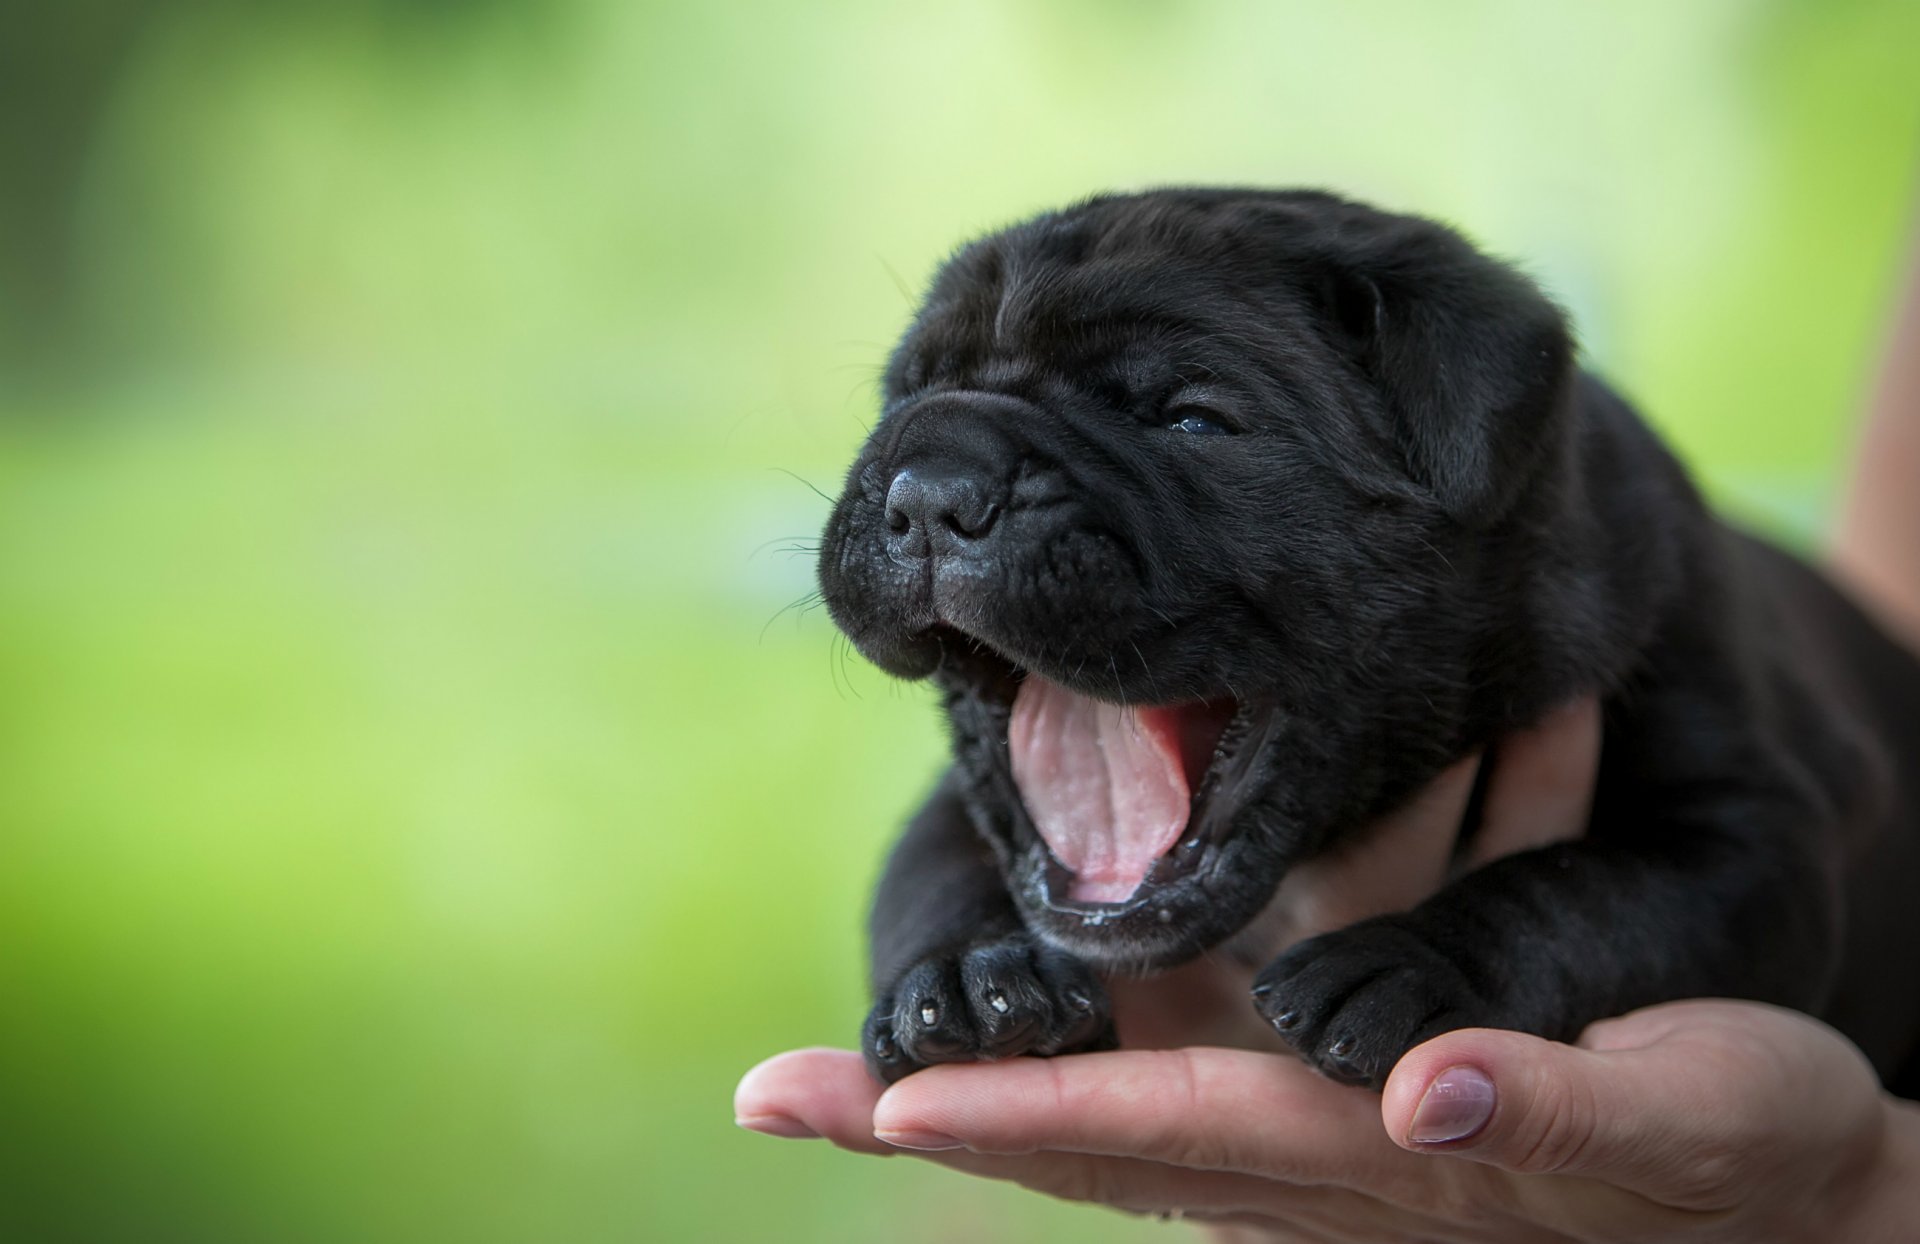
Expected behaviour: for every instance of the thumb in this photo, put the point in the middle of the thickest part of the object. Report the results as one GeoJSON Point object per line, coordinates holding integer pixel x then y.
{"type": "Point", "coordinates": [1628, 1117]}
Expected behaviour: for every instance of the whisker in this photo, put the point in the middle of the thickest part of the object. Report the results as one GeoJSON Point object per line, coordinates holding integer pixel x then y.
{"type": "Point", "coordinates": [894, 276]}
{"type": "Point", "coordinates": [792, 542]}
{"type": "Point", "coordinates": [816, 492]}
{"type": "Point", "coordinates": [845, 649]}
{"type": "Point", "coordinates": [803, 604]}
{"type": "Point", "coordinates": [1153, 685]}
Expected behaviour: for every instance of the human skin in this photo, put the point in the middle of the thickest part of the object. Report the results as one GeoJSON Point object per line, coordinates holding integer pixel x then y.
{"type": "Point", "coordinates": [1876, 544]}
{"type": "Point", "coordinates": [1703, 1120]}
{"type": "Point", "coordinates": [1698, 1121]}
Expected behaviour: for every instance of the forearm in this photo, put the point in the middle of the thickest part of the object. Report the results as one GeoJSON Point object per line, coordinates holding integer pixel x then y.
{"type": "Point", "coordinates": [1876, 544]}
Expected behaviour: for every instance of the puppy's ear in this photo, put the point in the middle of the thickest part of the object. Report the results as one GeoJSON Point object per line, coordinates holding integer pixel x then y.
{"type": "Point", "coordinates": [1472, 362]}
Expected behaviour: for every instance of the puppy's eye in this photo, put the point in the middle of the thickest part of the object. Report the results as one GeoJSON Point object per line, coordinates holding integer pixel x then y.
{"type": "Point", "coordinates": [1195, 421]}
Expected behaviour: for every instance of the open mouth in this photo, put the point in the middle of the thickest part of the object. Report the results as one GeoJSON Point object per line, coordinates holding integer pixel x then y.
{"type": "Point", "coordinates": [1115, 791]}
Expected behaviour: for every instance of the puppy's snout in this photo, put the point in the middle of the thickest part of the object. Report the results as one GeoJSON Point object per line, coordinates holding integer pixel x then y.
{"type": "Point", "coordinates": [930, 511]}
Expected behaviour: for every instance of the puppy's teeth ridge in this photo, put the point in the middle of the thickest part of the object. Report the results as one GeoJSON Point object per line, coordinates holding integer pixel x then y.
{"type": "Point", "coordinates": [929, 1014]}
{"type": "Point", "coordinates": [998, 1001]}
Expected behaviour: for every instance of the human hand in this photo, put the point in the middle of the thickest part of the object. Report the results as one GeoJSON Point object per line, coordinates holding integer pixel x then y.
{"type": "Point", "coordinates": [1696, 1121]}
{"type": "Point", "coordinates": [1640, 1132]}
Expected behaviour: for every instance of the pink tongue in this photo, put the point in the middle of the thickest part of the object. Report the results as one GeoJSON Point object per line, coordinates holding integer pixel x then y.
{"type": "Point", "coordinates": [1104, 785]}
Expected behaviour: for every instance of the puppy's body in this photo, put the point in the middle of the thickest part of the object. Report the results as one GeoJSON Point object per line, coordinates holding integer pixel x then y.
{"type": "Point", "coordinates": [1321, 494]}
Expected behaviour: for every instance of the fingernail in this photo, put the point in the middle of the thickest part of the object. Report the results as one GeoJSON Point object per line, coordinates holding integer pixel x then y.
{"type": "Point", "coordinates": [930, 1142]}
{"type": "Point", "coordinates": [777, 1125]}
{"type": "Point", "coordinates": [1457, 1104]}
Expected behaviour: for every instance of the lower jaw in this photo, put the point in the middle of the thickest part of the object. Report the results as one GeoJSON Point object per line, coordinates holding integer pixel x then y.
{"type": "Point", "coordinates": [1066, 893]}
{"type": "Point", "coordinates": [1120, 951]}
{"type": "Point", "coordinates": [1162, 924]}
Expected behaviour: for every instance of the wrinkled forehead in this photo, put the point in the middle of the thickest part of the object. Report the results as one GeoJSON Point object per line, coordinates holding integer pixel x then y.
{"type": "Point", "coordinates": [1108, 312]}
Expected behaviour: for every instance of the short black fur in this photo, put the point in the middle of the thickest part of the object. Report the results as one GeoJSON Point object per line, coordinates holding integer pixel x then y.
{"type": "Point", "coordinates": [1410, 525]}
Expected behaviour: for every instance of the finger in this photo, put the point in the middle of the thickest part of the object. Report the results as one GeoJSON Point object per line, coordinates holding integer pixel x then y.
{"type": "Point", "coordinates": [1635, 1117]}
{"type": "Point", "coordinates": [811, 1093]}
{"type": "Point", "coordinates": [1206, 1109]}
{"type": "Point", "coordinates": [1529, 1105]}
{"type": "Point", "coordinates": [816, 1092]}
{"type": "Point", "coordinates": [1131, 1184]}
{"type": "Point", "coordinates": [1139, 1186]}
{"type": "Point", "coordinates": [1400, 862]}
{"type": "Point", "coordinates": [1541, 790]}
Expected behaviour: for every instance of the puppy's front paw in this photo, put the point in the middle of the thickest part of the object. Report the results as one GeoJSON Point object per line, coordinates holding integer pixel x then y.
{"type": "Point", "coordinates": [1351, 1002]}
{"type": "Point", "coordinates": [994, 1000]}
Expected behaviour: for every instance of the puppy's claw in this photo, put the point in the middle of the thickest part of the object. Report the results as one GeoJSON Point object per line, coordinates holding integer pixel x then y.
{"type": "Point", "coordinates": [995, 1000]}
{"type": "Point", "coordinates": [1353, 1001]}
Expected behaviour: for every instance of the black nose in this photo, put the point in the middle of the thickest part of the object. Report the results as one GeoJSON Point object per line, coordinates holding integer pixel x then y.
{"type": "Point", "coordinates": [931, 510]}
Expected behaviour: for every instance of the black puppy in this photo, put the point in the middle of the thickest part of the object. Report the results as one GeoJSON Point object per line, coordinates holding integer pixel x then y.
{"type": "Point", "coordinates": [1225, 520]}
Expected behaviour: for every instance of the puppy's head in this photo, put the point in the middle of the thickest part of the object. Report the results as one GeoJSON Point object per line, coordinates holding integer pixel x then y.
{"type": "Point", "coordinates": [1159, 472]}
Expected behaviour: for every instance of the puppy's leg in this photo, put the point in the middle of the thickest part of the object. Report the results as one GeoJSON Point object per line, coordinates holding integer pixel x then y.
{"type": "Point", "coordinates": [956, 976]}
{"type": "Point", "coordinates": [1704, 874]}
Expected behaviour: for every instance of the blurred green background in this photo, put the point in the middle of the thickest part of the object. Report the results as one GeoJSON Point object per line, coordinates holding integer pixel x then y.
{"type": "Point", "coordinates": [415, 810]}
